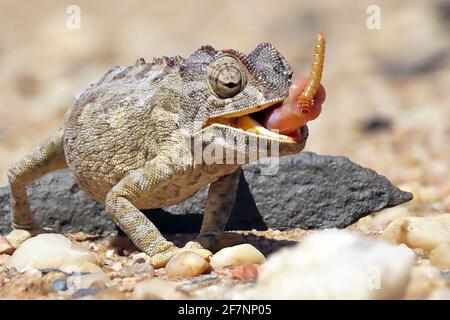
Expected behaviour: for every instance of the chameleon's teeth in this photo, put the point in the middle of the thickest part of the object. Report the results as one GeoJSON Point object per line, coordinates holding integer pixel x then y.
{"type": "Point", "coordinates": [248, 124]}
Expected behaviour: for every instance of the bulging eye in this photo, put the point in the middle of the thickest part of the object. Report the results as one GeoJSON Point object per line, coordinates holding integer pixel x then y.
{"type": "Point", "coordinates": [226, 76]}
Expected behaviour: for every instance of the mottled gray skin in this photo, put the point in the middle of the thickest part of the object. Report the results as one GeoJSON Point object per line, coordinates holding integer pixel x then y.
{"type": "Point", "coordinates": [125, 140]}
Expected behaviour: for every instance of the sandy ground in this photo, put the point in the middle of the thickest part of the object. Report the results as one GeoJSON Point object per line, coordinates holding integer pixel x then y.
{"type": "Point", "coordinates": [399, 74]}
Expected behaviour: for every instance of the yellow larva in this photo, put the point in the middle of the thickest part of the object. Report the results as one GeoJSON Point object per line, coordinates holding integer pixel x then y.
{"type": "Point", "coordinates": [306, 98]}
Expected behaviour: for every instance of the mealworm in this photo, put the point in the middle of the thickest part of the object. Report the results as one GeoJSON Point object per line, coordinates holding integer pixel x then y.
{"type": "Point", "coordinates": [306, 98]}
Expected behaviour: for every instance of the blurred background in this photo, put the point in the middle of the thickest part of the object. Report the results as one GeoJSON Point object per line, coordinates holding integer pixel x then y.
{"type": "Point", "coordinates": [388, 101]}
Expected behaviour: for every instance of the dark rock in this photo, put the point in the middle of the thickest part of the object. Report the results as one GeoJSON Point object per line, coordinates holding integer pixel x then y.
{"type": "Point", "coordinates": [320, 192]}
{"type": "Point", "coordinates": [376, 124]}
{"type": "Point", "coordinates": [59, 204]}
{"type": "Point", "coordinates": [308, 191]}
{"type": "Point", "coordinates": [424, 63]}
{"type": "Point", "coordinates": [443, 9]}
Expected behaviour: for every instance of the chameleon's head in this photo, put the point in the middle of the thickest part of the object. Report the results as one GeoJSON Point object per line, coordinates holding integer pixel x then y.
{"type": "Point", "coordinates": [226, 95]}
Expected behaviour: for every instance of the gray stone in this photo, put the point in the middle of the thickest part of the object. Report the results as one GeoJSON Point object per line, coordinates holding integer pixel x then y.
{"type": "Point", "coordinates": [317, 192]}
{"type": "Point", "coordinates": [86, 292]}
{"type": "Point", "coordinates": [58, 203]}
{"type": "Point", "coordinates": [308, 191]}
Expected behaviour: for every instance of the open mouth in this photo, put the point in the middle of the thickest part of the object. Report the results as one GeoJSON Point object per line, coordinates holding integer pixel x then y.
{"type": "Point", "coordinates": [252, 121]}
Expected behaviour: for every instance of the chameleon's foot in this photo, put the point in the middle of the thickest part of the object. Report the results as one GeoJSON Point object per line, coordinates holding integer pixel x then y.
{"type": "Point", "coordinates": [18, 236]}
{"type": "Point", "coordinates": [215, 241]}
{"type": "Point", "coordinates": [159, 260]}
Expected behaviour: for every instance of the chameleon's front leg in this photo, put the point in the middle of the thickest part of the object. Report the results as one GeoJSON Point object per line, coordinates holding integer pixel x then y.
{"type": "Point", "coordinates": [120, 206]}
{"type": "Point", "coordinates": [219, 204]}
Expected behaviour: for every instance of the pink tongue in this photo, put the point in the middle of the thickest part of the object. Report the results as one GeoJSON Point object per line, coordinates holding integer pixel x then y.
{"type": "Point", "coordinates": [287, 118]}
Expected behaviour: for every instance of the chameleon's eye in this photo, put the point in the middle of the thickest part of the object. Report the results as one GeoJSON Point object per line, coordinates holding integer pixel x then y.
{"type": "Point", "coordinates": [226, 76]}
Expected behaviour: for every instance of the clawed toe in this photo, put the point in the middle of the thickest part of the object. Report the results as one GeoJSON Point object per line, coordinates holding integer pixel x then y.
{"type": "Point", "coordinates": [160, 260]}
{"type": "Point", "coordinates": [19, 236]}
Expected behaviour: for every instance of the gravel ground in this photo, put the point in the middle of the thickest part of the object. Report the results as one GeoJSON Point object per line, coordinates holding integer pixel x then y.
{"type": "Point", "coordinates": [387, 104]}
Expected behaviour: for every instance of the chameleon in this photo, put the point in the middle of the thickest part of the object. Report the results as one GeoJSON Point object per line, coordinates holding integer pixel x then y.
{"type": "Point", "coordinates": [130, 141]}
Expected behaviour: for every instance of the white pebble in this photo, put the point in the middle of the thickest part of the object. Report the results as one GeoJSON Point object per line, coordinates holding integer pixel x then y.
{"type": "Point", "coordinates": [80, 266]}
{"type": "Point", "coordinates": [236, 256]}
{"type": "Point", "coordinates": [380, 220]}
{"type": "Point", "coordinates": [421, 194]}
{"type": "Point", "coordinates": [90, 280]}
{"type": "Point", "coordinates": [49, 250]}
{"type": "Point", "coordinates": [419, 232]}
{"type": "Point", "coordinates": [424, 279]}
{"type": "Point", "coordinates": [5, 246]}
{"type": "Point", "coordinates": [440, 256]}
{"type": "Point", "coordinates": [186, 264]}
{"type": "Point", "coordinates": [157, 289]}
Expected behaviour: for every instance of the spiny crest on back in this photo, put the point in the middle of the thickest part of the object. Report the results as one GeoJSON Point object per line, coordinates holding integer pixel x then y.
{"type": "Point", "coordinates": [164, 60]}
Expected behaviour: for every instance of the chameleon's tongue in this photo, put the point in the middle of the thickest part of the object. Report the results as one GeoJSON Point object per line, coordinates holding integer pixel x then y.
{"type": "Point", "coordinates": [247, 123]}
{"type": "Point", "coordinates": [304, 103]}
{"type": "Point", "coordinates": [284, 120]}
{"type": "Point", "coordinates": [288, 117]}
{"type": "Point", "coordinates": [306, 96]}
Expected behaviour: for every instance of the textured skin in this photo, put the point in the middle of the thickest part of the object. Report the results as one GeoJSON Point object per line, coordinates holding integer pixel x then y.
{"type": "Point", "coordinates": [125, 137]}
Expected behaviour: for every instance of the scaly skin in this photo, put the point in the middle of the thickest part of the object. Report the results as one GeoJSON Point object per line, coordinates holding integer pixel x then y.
{"type": "Point", "coordinates": [124, 140]}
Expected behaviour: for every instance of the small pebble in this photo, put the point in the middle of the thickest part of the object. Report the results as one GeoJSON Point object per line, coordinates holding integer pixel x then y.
{"type": "Point", "coordinates": [186, 264]}
{"type": "Point", "coordinates": [117, 266]}
{"type": "Point", "coordinates": [130, 282]}
{"type": "Point", "coordinates": [90, 280]}
{"type": "Point", "coordinates": [424, 279]}
{"type": "Point", "coordinates": [138, 269]}
{"type": "Point", "coordinates": [421, 194]}
{"type": "Point", "coordinates": [80, 266]}
{"type": "Point", "coordinates": [4, 258]}
{"type": "Point", "coordinates": [86, 292]}
{"type": "Point", "coordinates": [380, 220]}
{"type": "Point", "coordinates": [49, 279]}
{"type": "Point", "coordinates": [110, 294]}
{"type": "Point", "coordinates": [440, 256]}
{"type": "Point", "coordinates": [419, 232]}
{"type": "Point", "coordinates": [5, 246]}
{"type": "Point", "coordinates": [59, 285]}
{"type": "Point", "coordinates": [157, 289]}
{"type": "Point", "coordinates": [109, 254]}
{"type": "Point", "coordinates": [245, 272]}
{"type": "Point", "coordinates": [236, 256]}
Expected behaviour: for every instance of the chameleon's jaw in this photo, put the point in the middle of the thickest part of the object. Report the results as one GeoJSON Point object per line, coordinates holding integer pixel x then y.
{"type": "Point", "coordinates": [250, 121]}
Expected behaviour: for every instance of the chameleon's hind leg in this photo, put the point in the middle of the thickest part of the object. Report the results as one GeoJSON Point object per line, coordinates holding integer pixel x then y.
{"type": "Point", "coordinates": [219, 204]}
{"type": "Point", "coordinates": [47, 157]}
